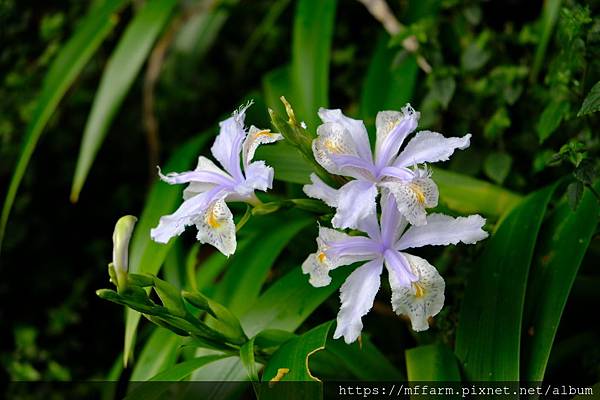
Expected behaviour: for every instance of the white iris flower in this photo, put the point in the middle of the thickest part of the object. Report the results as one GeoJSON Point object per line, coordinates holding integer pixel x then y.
{"type": "Point", "coordinates": [417, 287]}
{"type": "Point", "coordinates": [210, 187]}
{"type": "Point", "coordinates": [342, 148]}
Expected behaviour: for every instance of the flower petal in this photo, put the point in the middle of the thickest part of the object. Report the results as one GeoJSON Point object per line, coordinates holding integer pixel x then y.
{"type": "Point", "coordinates": [422, 299]}
{"type": "Point", "coordinates": [318, 268]}
{"type": "Point", "coordinates": [215, 227]}
{"type": "Point", "coordinates": [259, 176]}
{"type": "Point", "coordinates": [413, 197]}
{"type": "Point", "coordinates": [355, 127]}
{"type": "Point", "coordinates": [356, 201]}
{"type": "Point", "coordinates": [174, 224]}
{"type": "Point", "coordinates": [255, 138]}
{"type": "Point", "coordinates": [338, 248]}
{"type": "Point", "coordinates": [392, 222]}
{"type": "Point", "coordinates": [228, 144]}
{"type": "Point", "coordinates": [392, 129]}
{"type": "Point", "coordinates": [357, 295]}
{"type": "Point", "coordinates": [322, 191]}
{"type": "Point", "coordinates": [442, 230]}
{"type": "Point", "coordinates": [398, 266]}
{"type": "Point", "coordinates": [333, 141]}
{"type": "Point", "coordinates": [429, 147]}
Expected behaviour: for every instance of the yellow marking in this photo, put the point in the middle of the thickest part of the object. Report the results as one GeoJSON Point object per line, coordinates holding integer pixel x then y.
{"type": "Point", "coordinates": [332, 147]}
{"type": "Point", "coordinates": [419, 290]}
{"type": "Point", "coordinates": [419, 193]}
{"type": "Point", "coordinates": [322, 257]}
{"type": "Point", "coordinates": [281, 372]}
{"type": "Point", "coordinates": [264, 132]}
{"type": "Point", "coordinates": [308, 369]}
{"type": "Point", "coordinates": [212, 220]}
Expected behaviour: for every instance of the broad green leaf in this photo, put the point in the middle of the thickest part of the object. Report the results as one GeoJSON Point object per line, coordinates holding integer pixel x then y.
{"type": "Point", "coordinates": [434, 362]}
{"type": "Point", "coordinates": [548, 20]}
{"type": "Point", "coordinates": [591, 104]}
{"type": "Point", "coordinates": [564, 242]}
{"type": "Point", "coordinates": [146, 255]}
{"type": "Point", "coordinates": [551, 118]}
{"type": "Point", "coordinates": [71, 59]}
{"type": "Point", "coordinates": [489, 331]}
{"type": "Point", "coordinates": [311, 49]}
{"type": "Point", "coordinates": [158, 354]}
{"type": "Point", "coordinates": [248, 268]}
{"type": "Point", "coordinates": [289, 301]}
{"type": "Point", "coordinates": [123, 66]}
{"type": "Point", "coordinates": [178, 372]}
{"type": "Point", "coordinates": [468, 195]}
{"type": "Point", "coordinates": [497, 166]}
{"type": "Point", "coordinates": [364, 360]}
{"type": "Point", "coordinates": [389, 84]}
{"type": "Point", "coordinates": [290, 363]}
{"type": "Point", "coordinates": [289, 164]}
{"type": "Point", "coordinates": [275, 84]}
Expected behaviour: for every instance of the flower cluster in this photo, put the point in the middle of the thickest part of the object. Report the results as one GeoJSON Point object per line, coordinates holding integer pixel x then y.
{"type": "Point", "coordinates": [405, 190]}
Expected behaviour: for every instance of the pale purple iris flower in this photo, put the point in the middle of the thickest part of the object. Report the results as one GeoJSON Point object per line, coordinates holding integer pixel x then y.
{"type": "Point", "coordinates": [210, 187]}
{"type": "Point", "coordinates": [417, 287]}
{"type": "Point", "coordinates": [342, 148]}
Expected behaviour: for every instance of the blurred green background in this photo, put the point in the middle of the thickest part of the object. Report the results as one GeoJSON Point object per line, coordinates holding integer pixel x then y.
{"type": "Point", "coordinates": [147, 76]}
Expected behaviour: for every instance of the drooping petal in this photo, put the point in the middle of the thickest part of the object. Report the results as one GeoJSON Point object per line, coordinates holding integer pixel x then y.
{"type": "Point", "coordinates": [255, 138]}
{"type": "Point", "coordinates": [174, 224]}
{"type": "Point", "coordinates": [413, 197]}
{"type": "Point", "coordinates": [355, 127]}
{"type": "Point", "coordinates": [430, 147]}
{"type": "Point", "coordinates": [357, 295]}
{"type": "Point", "coordinates": [398, 265]}
{"type": "Point", "coordinates": [228, 144]}
{"type": "Point", "coordinates": [318, 267]}
{"type": "Point", "coordinates": [322, 191]}
{"type": "Point", "coordinates": [442, 230]}
{"type": "Point", "coordinates": [356, 200]}
{"type": "Point", "coordinates": [392, 129]}
{"type": "Point", "coordinates": [335, 141]}
{"type": "Point", "coordinates": [422, 299]}
{"type": "Point", "coordinates": [216, 227]}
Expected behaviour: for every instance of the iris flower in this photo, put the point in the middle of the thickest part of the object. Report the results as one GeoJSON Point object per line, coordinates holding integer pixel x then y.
{"type": "Point", "coordinates": [342, 148]}
{"type": "Point", "coordinates": [417, 287]}
{"type": "Point", "coordinates": [211, 187]}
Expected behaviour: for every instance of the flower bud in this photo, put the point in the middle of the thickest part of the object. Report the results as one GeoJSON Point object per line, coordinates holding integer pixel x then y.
{"type": "Point", "coordinates": [121, 237]}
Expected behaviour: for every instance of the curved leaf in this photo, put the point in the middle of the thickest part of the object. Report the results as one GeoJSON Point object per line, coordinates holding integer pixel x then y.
{"type": "Point", "coordinates": [123, 66]}
{"type": "Point", "coordinates": [432, 363]}
{"type": "Point", "coordinates": [63, 71]}
{"type": "Point", "coordinates": [564, 243]}
{"type": "Point", "coordinates": [492, 308]}
{"type": "Point", "coordinates": [159, 353]}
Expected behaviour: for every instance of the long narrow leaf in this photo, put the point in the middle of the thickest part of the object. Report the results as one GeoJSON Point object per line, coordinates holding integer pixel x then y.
{"type": "Point", "coordinates": [434, 362]}
{"type": "Point", "coordinates": [63, 71]}
{"type": "Point", "coordinates": [144, 254]}
{"type": "Point", "coordinates": [563, 245]}
{"type": "Point", "coordinates": [489, 331]}
{"type": "Point", "coordinates": [123, 66]}
{"type": "Point", "coordinates": [159, 353]}
{"type": "Point", "coordinates": [311, 49]}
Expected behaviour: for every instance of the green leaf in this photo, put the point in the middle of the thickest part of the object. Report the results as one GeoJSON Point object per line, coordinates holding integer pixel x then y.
{"type": "Point", "coordinates": [123, 66]}
{"type": "Point", "coordinates": [311, 49]}
{"type": "Point", "coordinates": [591, 104]}
{"type": "Point", "coordinates": [389, 83]}
{"type": "Point", "coordinates": [492, 308]}
{"type": "Point", "coordinates": [434, 362]}
{"type": "Point", "coordinates": [548, 20]}
{"type": "Point", "coordinates": [497, 166]}
{"type": "Point", "coordinates": [575, 194]}
{"type": "Point", "coordinates": [468, 195]}
{"type": "Point", "coordinates": [551, 118]}
{"type": "Point", "coordinates": [289, 301]}
{"type": "Point", "coordinates": [146, 255]}
{"type": "Point", "coordinates": [564, 242]}
{"type": "Point", "coordinates": [247, 358]}
{"type": "Point", "coordinates": [248, 268]}
{"type": "Point", "coordinates": [71, 59]}
{"type": "Point", "coordinates": [178, 372]}
{"type": "Point", "coordinates": [158, 354]}
{"type": "Point", "coordinates": [364, 360]}
{"type": "Point", "coordinates": [291, 364]}
{"type": "Point", "coordinates": [291, 165]}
